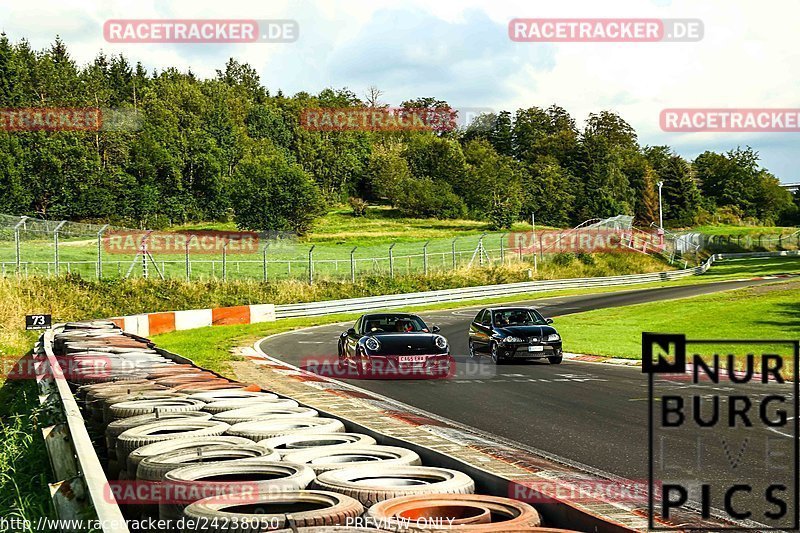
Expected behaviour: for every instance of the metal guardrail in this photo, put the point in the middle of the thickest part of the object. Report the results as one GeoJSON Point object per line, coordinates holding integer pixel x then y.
{"type": "Point", "coordinates": [488, 291]}
{"type": "Point", "coordinates": [79, 495]}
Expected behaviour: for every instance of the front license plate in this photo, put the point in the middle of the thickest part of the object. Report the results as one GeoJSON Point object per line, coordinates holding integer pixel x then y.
{"type": "Point", "coordinates": [535, 348]}
{"type": "Point", "coordinates": [412, 359]}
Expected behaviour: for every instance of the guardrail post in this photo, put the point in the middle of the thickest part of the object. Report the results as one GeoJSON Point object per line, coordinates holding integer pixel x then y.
{"type": "Point", "coordinates": [425, 257]}
{"type": "Point", "coordinates": [100, 252]}
{"type": "Point", "coordinates": [391, 259]}
{"type": "Point", "coordinates": [311, 264]}
{"type": "Point", "coordinates": [453, 246]}
{"type": "Point", "coordinates": [353, 264]}
{"type": "Point", "coordinates": [16, 240]}
{"type": "Point", "coordinates": [55, 245]}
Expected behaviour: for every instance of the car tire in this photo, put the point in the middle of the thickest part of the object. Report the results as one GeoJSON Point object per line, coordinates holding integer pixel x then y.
{"type": "Point", "coordinates": [324, 460]}
{"type": "Point", "coordinates": [376, 483]}
{"type": "Point", "coordinates": [321, 509]}
{"type": "Point", "coordinates": [472, 353]}
{"type": "Point", "coordinates": [496, 353]}
{"type": "Point", "coordinates": [503, 514]}
{"type": "Point", "coordinates": [556, 359]}
{"type": "Point", "coordinates": [257, 430]}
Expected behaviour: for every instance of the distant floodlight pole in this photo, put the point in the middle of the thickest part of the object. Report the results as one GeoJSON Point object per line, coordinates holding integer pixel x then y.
{"type": "Point", "coordinates": [55, 245]}
{"type": "Point", "coordinates": [660, 214]}
{"type": "Point", "coordinates": [391, 259]}
{"type": "Point", "coordinates": [16, 239]}
{"type": "Point", "coordinates": [353, 264]}
{"type": "Point", "coordinates": [425, 257]}
{"type": "Point", "coordinates": [100, 251]}
{"type": "Point", "coordinates": [188, 263]}
{"type": "Point", "coordinates": [453, 246]}
{"type": "Point", "coordinates": [311, 264]}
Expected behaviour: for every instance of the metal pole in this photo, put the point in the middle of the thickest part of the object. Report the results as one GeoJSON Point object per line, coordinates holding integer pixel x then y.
{"type": "Point", "coordinates": [100, 252]}
{"type": "Point", "coordinates": [391, 260]}
{"type": "Point", "coordinates": [55, 245]}
{"type": "Point", "coordinates": [16, 239]}
{"type": "Point", "coordinates": [453, 244]}
{"type": "Point", "coordinates": [660, 214]}
{"type": "Point", "coordinates": [502, 249]}
{"type": "Point", "coordinates": [188, 263]}
{"type": "Point", "coordinates": [353, 265]}
{"type": "Point", "coordinates": [533, 237]}
{"type": "Point", "coordinates": [225, 260]}
{"type": "Point", "coordinates": [311, 265]}
{"type": "Point", "coordinates": [480, 249]}
{"type": "Point", "coordinates": [265, 261]}
{"type": "Point", "coordinates": [425, 257]}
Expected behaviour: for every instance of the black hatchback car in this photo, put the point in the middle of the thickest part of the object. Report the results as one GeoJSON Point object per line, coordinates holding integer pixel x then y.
{"type": "Point", "coordinates": [508, 333]}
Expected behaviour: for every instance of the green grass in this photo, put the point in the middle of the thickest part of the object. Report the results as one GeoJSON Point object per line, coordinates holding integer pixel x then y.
{"type": "Point", "coordinates": [765, 312]}
{"type": "Point", "coordinates": [726, 229]}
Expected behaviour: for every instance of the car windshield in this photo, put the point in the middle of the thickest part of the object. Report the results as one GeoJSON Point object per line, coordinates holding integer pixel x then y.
{"type": "Point", "coordinates": [518, 317]}
{"type": "Point", "coordinates": [394, 323]}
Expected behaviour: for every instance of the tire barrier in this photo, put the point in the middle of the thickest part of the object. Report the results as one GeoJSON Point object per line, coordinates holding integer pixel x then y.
{"type": "Point", "coordinates": [323, 460]}
{"type": "Point", "coordinates": [166, 422]}
{"type": "Point", "coordinates": [456, 512]}
{"type": "Point", "coordinates": [243, 480]}
{"type": "Point", "coordinates": [288, 509]}
{"type": "Point", "coordinates": [264, 411]}
{"type": "Point", "coordinates": [376, 483]}
{"type": "Point", "coordinates": [286, 445]}
{"type": "Point", "coordinates": [138, 436]}
{"type": "Point", "coordinates": [263, 429]}
{"type": "Point", "coordinates": [160, 448]}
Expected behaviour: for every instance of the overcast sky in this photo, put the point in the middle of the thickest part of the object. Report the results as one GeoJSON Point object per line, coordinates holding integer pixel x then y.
{"type": "Point", "coordinates": [459, 51]}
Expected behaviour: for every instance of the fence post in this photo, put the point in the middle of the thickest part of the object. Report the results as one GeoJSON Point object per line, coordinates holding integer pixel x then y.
{"type": "Point", "coordinates": [425, 258]}
{"type": "Point", "coordinates": [453, 245]}
{"type": "Point", "coordinates": [264, 261]}
{"type": "Point", "coordinates": [16, 240]}
{"type": "Point", "coordinates": [391, 259]}
{"type": "Point", "coordinates": [480, 249]}
{"type": "Point", "coordinates": [353, 264]}
{"type": "Point", "coordinates": [188, 263]}
{"type": "Point", "coordinates": [225, 261]}
{"type": "Point", "coordinates": [100, 252]}
{"type": "Point", "coordinates": [311, 264]}
{"type": "Point", "coordinates": [55, 245]}
{"type": "Point", "coordinates": [502, 249]}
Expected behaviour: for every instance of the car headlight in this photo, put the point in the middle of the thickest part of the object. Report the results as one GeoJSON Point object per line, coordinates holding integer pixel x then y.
{"type": "Point", "coordinates": [372, 344]}
{"type": "Point", "coordinates": [554, 337]}
{"type": "Point", "coordinates": [513, 339]}
{"type": "Point", "coordinates": [441, 342]}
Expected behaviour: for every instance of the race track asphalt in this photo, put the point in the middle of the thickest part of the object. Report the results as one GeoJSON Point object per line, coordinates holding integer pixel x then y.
{"type": "Point", "coordinates": [587, 414]}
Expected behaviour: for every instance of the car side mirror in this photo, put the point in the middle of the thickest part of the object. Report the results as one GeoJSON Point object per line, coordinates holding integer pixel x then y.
{"type": "Point", "coordinates": [351, 332]}
{"type": "Point", "coordinates": [549, 320]}
{"type": "Point", "coordinates": [435, 329]}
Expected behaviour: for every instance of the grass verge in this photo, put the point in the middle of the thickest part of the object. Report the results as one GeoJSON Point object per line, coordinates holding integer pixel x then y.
{"type": "Point", "coordinates": [763, 312]}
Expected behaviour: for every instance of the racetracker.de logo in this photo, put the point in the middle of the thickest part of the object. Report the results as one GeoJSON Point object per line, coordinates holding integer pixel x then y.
{"type": "Point", "coordinates": [586, 240]}
{"type": "Point", "coordinates": [605, 30]}
{"type": "Point", "coordinates": [51, 119]}
{"type": "Point", "coordinates": [196, 242]}
{"type": "Point", "coordinates": [730, 120]}
{"type": "Point", "coordinates": [200, 31]}
{"type": "Point", "coordinates": [379, 119]}
{"type": "Point", "coordinates": [70, 368]}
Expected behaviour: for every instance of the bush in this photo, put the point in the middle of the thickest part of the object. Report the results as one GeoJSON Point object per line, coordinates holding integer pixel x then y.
{"type": "Point", "coordinates": [358, 205]}
{"type": "Point", "coordinates": [563, 259]}
{"type": "Point", "coordinates": [421, 197]}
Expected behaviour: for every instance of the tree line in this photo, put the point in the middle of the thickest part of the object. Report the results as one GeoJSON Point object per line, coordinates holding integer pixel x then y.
{"type": "Point", "coordinates": [228, 148]}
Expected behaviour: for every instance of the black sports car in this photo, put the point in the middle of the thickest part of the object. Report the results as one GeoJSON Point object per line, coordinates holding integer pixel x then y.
{"type": "Point", "coordinates": [514, 333]}
{"type": "Point", "coordinates": [394, 345]}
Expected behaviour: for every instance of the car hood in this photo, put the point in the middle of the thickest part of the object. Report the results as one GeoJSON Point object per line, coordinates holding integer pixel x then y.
{"type": "Point", "coordinates": [528, 331]}
{"type": "Point", "coordinates": [405, 342]}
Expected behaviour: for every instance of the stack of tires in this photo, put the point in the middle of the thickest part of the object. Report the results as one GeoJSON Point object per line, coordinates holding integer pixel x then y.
{"type": "Point", "coordinates": [218, 455]}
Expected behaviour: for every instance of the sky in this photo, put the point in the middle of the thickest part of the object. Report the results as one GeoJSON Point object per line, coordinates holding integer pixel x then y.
{"type": "Point", "coordinates": [459, 51]}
